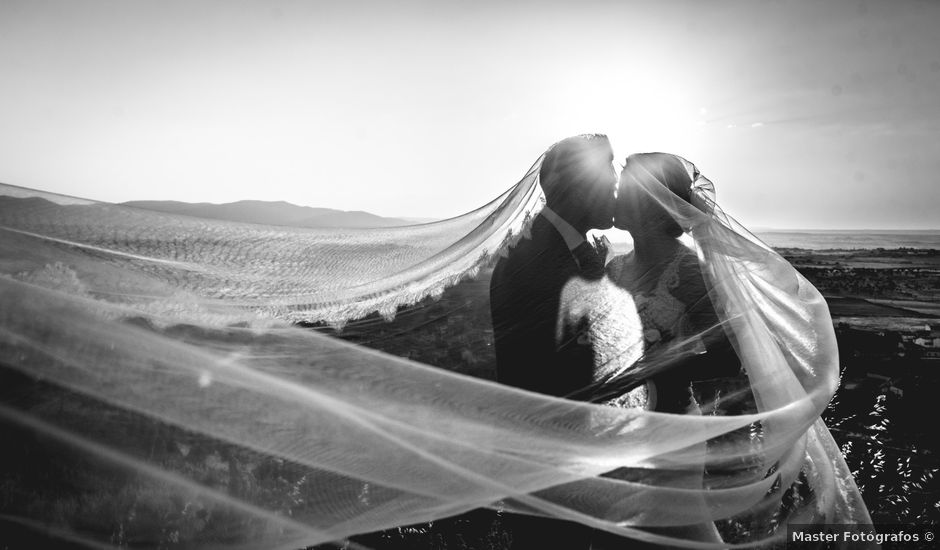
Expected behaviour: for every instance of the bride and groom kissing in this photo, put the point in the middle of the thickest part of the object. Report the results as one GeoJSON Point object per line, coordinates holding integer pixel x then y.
{"type": "Point", "coordinates": [553, 296]}
{"type": "Point", "coordinates": [570, 323]}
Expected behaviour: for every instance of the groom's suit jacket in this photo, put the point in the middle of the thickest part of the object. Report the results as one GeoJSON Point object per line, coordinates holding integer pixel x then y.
{"type": "Point", "coordinates": [525, 294]}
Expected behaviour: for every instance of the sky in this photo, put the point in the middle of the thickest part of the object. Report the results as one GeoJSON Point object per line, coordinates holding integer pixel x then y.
{"type": "Point", "coordinates": [805, 114]}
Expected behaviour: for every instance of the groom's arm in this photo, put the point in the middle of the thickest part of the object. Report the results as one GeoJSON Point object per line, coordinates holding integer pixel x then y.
{"type": "Point", "coordinates": [529, 354]}
{"type": "Point", "coordinates": [524, 324]}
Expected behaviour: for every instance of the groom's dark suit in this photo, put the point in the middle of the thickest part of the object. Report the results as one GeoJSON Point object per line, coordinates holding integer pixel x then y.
{"type": "Point", "coordinates": [525, 294]}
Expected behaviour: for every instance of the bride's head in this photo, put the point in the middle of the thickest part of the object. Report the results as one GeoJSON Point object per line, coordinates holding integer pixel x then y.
{"type": "Point", "coordinates": [639, 206]}
{"type": "Point", "coordinates": [578, 178]}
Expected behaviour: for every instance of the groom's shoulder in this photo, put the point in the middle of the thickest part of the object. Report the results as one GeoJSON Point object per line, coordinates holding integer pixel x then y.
{"type": "Point", "coordinates": [539, 235]}
{"type": "Point", "coordinates": [533, 243]}
{"type": "Point", "coordinates": [540, 251]}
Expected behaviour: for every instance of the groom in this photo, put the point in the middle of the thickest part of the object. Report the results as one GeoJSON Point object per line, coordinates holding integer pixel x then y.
{"type": "Point", "coordinates": [578, 179]}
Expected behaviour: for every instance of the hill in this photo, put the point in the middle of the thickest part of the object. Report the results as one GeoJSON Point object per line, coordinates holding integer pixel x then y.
{"type": "Point", "coordinates": [271, 213]}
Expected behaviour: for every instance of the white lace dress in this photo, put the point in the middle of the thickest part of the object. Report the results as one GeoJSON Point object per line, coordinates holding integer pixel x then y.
{"type": "Point", "coordinates": [662, 312]}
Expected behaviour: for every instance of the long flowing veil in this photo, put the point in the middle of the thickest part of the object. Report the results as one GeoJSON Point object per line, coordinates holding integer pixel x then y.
{"type": "Point", "coordinates": [162, 353]}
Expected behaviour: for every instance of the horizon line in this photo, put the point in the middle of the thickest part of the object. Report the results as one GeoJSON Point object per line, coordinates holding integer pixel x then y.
{"type": "Point", "coordinates": [431, 219]}
{"type": "Point", "coordinates": [848, 229]}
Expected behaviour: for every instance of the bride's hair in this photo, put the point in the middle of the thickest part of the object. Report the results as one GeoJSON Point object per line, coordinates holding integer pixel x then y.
{"type": "Point", "coordinates": [669, 171]}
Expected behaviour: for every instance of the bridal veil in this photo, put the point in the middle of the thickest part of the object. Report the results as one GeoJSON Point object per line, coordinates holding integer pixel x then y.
{"type": "Point", "coordinates": [117, 324]}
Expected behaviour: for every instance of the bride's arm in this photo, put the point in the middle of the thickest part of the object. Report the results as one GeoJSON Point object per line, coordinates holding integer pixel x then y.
{"type": "Point", "coordinates": [701, 320]}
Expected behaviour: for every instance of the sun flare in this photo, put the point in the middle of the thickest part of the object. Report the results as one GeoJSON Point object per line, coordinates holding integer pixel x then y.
{"type": "Point", "coordinates": [639, 115]}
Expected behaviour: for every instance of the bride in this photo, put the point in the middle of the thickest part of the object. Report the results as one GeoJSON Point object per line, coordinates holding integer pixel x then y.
{"type": "Point", "coordinates": [664, 276]}
{"type": "Point", "coordinates": [162, 352]}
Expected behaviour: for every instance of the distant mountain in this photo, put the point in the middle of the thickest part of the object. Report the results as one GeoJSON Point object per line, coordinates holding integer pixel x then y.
{"type": "Point", "coordinates": [272, 213]}
{"type": "Point", "coordinates": [356, 218]}
{"type": "Point", "coordinates": [417, 221]}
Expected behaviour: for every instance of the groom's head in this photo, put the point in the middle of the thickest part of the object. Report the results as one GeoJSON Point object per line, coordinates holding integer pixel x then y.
{"type": "Point", "coordinates": [578, 179]}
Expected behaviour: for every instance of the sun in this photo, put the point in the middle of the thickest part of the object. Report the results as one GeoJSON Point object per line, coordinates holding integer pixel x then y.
{"type": "Point", "coordinates": [655, 113]}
